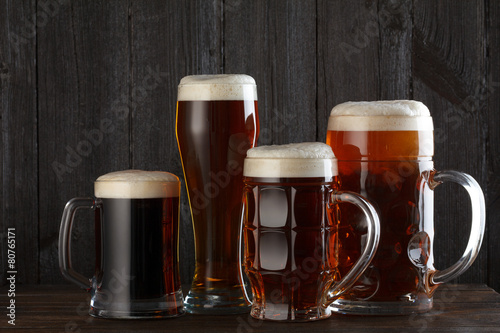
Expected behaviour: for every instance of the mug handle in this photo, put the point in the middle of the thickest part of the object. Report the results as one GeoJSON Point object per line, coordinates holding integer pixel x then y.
{"type": "Point", "coordinates": [372, 240]}
{"type": "Point", "coordinates": [65, 241]}
{"type": "Point", "coordinates": [478, 222]}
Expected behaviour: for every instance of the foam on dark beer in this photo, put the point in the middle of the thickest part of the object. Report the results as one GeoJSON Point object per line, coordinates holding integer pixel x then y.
{"type": "Point", "coordinates": [397, 115]}
{"type": "Point", "coordinates": [235, 87]}
{"type": "Point", "coordinates": [295, 160]}
{"type": "Point", "coordinates": [137, 184]}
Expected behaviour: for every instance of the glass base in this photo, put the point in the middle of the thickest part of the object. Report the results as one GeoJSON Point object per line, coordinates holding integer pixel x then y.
{"type": "Point", "coordinates": [283, 312]}
{"type": "Point", "coordinates": [381, 308]}
{"type": "Point", "coordinates": [216, 302]}
{"type": "Point", "coordinates": [168, 306]}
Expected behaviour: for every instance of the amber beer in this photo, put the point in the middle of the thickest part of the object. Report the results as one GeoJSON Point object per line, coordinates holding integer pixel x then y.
{"type": "Point", "coordinates": [217, 122]}
{"type": "Point", "coordinates": [384, 152]}
{"type": "Point", "coordinates": [290, 230]}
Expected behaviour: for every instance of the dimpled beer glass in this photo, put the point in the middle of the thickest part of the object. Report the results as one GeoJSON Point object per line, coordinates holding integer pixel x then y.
{"type": "Point", "coordinates": [384, 152]}
{"type": "Point", "coordinates": [290, 231]}
{"type": "Point", "coordinates": [217, 122]}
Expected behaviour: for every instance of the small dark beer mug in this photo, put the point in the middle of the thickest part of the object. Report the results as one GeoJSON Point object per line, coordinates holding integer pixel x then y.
{"type": "Point", "coordinates": [136, 236]}
{"type": "Point", "coordinates": [290, 231]}
{"type": "Point", "coordinates": [384, 151]}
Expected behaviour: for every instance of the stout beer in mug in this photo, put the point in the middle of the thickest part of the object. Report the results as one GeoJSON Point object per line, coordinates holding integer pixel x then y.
{"type": "Point", "coordinates": [136, 236]}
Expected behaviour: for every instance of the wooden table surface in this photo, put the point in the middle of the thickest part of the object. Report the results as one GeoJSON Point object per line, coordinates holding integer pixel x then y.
{"type": "Point", "coordinates": [457, 308]}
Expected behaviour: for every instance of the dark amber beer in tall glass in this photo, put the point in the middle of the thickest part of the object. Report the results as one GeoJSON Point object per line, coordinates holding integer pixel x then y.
{"type": "Point", "coordinates": [384, 151]}
{"type": "Point", "coordinates": [217, 122]}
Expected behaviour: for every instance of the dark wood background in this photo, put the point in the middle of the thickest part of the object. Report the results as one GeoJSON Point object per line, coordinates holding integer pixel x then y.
{"type": "Point", "coordinates": [97, 81]}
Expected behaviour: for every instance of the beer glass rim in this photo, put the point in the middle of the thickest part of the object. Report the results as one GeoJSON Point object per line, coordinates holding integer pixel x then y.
{"type": "Point", "coordinates": [402, 107]}
{"type": "Point", "coordinates": [380, 123]}
{"type": "Point", "coordinates": [217, 88]}
{"type": "Point", "coordinates": [137, 190]}
{"type": "Point", "coordinates": [138, 175]}
{"type": "Point", "coordinates": [136, 181]}
{"type": "Point", "coordinates": [216, 79]}
{"type": "Point", "coordinates": [276, 167]}
{"type": "Point", "coordinates": [291, 158]}
{"type": "Point", "coordinates": [378, 115]}
{"type": "Point", "coordinates": [127, 184]}
{"type": "Point", "coordinates": [217, 83]}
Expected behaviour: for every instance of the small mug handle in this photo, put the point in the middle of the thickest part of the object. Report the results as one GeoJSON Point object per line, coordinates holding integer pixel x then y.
{"type": "Point", "coordinates": [65, 240]}
{"type": "Point", "coordinates": [372, 240]}
{"type": "Point", "coordinates": [478, 222]}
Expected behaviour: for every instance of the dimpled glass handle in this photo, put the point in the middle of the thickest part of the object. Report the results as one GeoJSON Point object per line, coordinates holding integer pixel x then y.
{"type": "Point", "coordinates": [477, 227]}
{"type": "Point", "coordinates": [65, 241]}
{"type": "Point", "coordinates": [372, 240]}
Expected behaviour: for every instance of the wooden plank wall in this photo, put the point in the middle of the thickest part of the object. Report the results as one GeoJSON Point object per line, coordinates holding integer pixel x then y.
{"type": "Point", "coordinates": [89, 87]}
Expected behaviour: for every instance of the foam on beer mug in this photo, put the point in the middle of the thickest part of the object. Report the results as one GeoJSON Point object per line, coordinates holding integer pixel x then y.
{"type": "Point", "coordinates": [137, 184]}
{"type": "Point", "coordinates": [297, 160]}
{"type": "Point", "coordinates": [220, 87]}
{"type": "Point", "coordinates": [398, 115]}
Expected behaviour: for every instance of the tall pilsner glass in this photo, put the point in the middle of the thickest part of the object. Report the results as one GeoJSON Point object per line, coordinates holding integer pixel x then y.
{"type": "Point", "coordinates": [384, 151]}
{"type": "Point", "coordinates": [217, 122]}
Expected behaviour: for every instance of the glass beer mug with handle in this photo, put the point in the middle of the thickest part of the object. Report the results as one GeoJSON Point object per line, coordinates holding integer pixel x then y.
{"type": "Point", "coordinates": [384, 151]}
{"type": "Point", "coordinates": [136, 236]}
{"type": "Point", "coordinates": [290, 231]}
{"type": "Point", "coordinates": [217, 122]}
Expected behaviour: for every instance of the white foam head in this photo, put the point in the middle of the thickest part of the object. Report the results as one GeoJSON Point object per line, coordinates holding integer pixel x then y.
{"type": "Point", "coordinates": [137, 184]}
{"type": "Point", "coordinates": [221, 87]}
{"type": "Point", "coordinates": [398, 115]}
{"type": "Point", "coordinates": [298, 160]}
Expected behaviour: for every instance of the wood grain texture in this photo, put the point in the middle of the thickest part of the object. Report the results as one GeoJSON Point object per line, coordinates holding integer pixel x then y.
{"type": "Point", "coordinates": [348, 55]}
{"type": "Point", "coordinates": [90, 87]}
{"type": "Point", "coordinates": [84, 118]}
{"type": "Point", "coordinates": [19, 153]}
{"type": "Point", "coordinates": [448, 67]}
{"type": "Point", "coordinates": [457, 308]}
{"type": "Point", "coordinates": [395, 48]}
{"type": "Point", "coordinates": [492, 98]}
{"type": "Point", "coordinates": [275, 42]}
